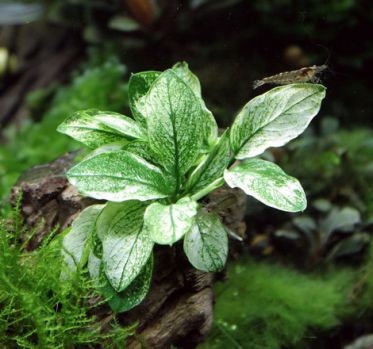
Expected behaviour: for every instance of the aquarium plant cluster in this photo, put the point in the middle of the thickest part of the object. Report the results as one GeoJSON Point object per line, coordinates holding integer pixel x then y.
{"type": "Point", "coordinates": [153, 168]}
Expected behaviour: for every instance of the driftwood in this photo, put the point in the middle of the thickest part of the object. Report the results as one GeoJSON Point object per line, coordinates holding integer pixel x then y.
{"type": "Point", "coordinates": [179, 307]}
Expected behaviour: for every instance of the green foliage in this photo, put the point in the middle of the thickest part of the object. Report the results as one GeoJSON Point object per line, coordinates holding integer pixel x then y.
{"type": "Point", "coordinates": [132, 295]}
{"type": "Point", "coordinates": [39, 309]}
{"type": "Point", "coordinates": [126, 247]}
{"type": "Point", "coordinates": [94, 128]}
{"type": "Point", "coordinates": [211, 167]}
{"type": "Point", "coordinates": [361, 295]}
{"type": "Point", "coordinates": [73, 246]}
{"type": "Point", "coordinates": [335, 167]}
{"type": "Point", "coordinates": [169, 223]}
{"type": "Point", "coordinates": [121, 176]}
{"type": "Point", "coordinates": [155, 191]}
{"type": "Point", "coordinates": [262, 123]}
{"type": "Point", "coordinates": [334, 158]}
{"type": "Point", "coordinates": [206, 251]}
{"type": "Point", "coordinates": [35, 143]}
{"type": "Point", "coordinates": [326, 233]}
{"type": "Point", "coordinates": [270, 306]}
{"type": "Point", "coordinates": [266, 182]}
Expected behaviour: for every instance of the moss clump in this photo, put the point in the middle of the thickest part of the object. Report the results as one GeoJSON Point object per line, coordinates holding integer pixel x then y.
{"type": "Point", "coordinates": [361, 294]}
{"type": "Point", "coordinates": [270, 306]}
{"type": "Point", "coordinates": [40, 310]}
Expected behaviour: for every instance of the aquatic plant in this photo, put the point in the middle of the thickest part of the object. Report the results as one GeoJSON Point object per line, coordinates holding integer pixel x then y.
{"type": "Point", "coordinates": [38, 309]}
{"type": "Point", "coordinates": [154, 169]}
{"type": "Point", "coordinates": [264, 305]}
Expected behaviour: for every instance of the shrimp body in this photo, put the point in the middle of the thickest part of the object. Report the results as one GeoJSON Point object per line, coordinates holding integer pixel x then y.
{"type": "Point", "coordinates": [307, 74]}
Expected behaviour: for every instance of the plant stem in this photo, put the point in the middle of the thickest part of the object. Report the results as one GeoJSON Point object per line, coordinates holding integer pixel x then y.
{"type": "Point", "coordinates": [214, 185]}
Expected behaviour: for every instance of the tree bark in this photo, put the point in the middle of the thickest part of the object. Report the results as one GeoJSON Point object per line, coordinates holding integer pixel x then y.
{"type": "Point", "coordinates": [179, 307]}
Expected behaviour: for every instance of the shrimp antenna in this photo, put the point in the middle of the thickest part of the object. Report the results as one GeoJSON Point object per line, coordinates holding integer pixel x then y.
{"type": "Point", "coordinates": [329, 51]}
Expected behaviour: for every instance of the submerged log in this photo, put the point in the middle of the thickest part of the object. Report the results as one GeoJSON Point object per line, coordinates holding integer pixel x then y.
{"type": "Point", "coordinates": [179, 307]}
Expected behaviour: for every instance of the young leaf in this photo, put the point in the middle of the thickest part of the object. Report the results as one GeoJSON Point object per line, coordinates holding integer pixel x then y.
{"type": "Point", "coordinates": [267, 183]}
{"type": "Point", "coordinates": [112, 147]}
{"type": "Point", "coordinates": [122, 125]}
{"type": "Point", "coordinates": [174, 117]}
{"type": "Point", "coordinates": [75, 245]}
{"type": "Point", "coordinates": [126, 244]}
{"type": "Point", "coordinates": [133, 295]}
{"type": "Point", "coordinates": [119, 176]}
{"type": "Point", "coordinates": [87, 127]}
{"type": "Point", "coordinates": [139, 84]}
{"type": "Point", "coordinates": [184, 73]}
{"type": "Point", "coordinates": [206, 244]}
{"type": "Point", "coordinates": [212, 167]}
{"type": "Point", "coordinates": [211, 128]}
{"type": "Point", "coordinates": [169, 223]}
{"type": "Point", "coordinates": [274, 118]}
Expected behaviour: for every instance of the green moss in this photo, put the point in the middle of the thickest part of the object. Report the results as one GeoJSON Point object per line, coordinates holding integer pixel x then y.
{"type": "Point", "coordinates": [270, 306]}
{"type": "Point", "coordinates": [101, 87]}
{"type": "Point", "coordinates": [361, 295]}
{"type": "Point", "coordinates": [39, 309]}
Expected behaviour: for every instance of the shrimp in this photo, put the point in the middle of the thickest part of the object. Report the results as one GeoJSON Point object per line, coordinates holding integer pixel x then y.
{"type": "Point", "coordinates": [307, 74]}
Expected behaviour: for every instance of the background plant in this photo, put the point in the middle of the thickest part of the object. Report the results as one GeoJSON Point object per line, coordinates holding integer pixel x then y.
{"type": "Point", "coordinates": [266, 305]}
{"type": "Point", "coordinates": [334, 167]}
{"type": "Point", "coordinates": [153, 169]}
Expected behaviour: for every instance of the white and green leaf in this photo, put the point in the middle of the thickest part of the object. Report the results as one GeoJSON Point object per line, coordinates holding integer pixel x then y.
{"type": "Point", "coordinates": [122, 125]}
{"type": "Point", "coordinates": [212, 167]}
{"type": "Point", "coordinates": [140, 148]}
{"type": "Point", "coordinates": [184, 73]}
{"type": "Point", "coordinates": [87, 127]}
{"type": "Point", "coordinates": [138, 85]}
{"type": "Point", "coordinates": [206, 243]}
{"type": "Point", "coordinates": [210, 126]}
{"type": "Point", "coordinates": [274, 118]}
{"type": "Point", "coordinates": [112, 147]}
{"type": "Point", "coordinates": [126, 244]}
{"type": "Point", "coordinates": [119, 176]}
{"type": "Point", "coordinates": [267, 183]}
{"type": "Point", "coordinates": [132, 296]}
{"type": "Point", "coordinates": [174, 119]}
{"type": "Point", "coordinates": [76, 244]}
{"type": "Point", "coordinates": [167, 224]}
